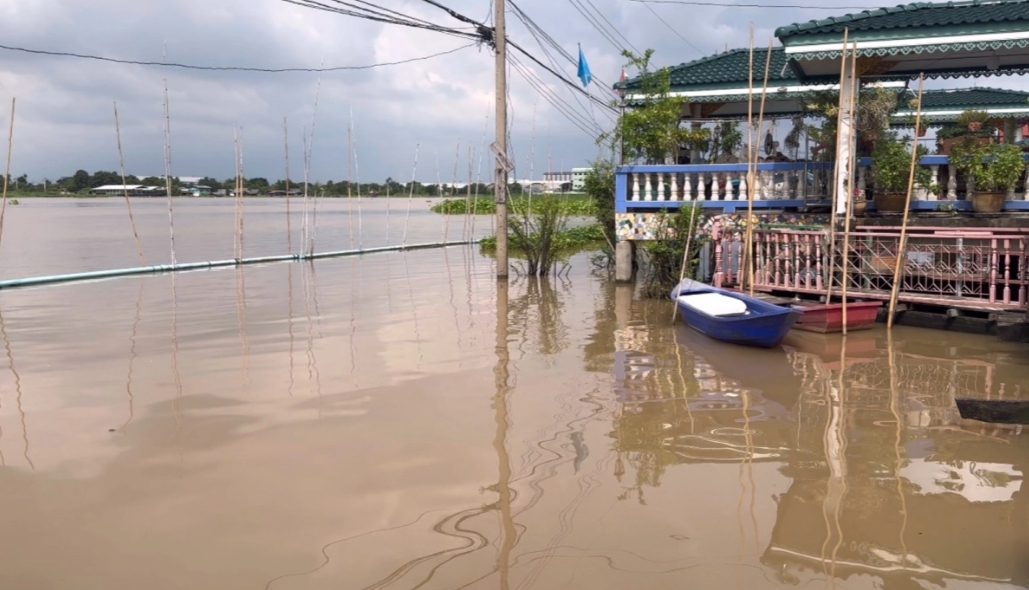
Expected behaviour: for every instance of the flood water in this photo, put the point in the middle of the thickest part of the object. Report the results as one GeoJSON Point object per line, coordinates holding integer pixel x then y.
{"type": "Point", "coordinates": [402, 421]}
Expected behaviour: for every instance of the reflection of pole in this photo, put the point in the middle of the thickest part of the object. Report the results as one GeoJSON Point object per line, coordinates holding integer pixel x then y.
{"type": "Point", "coordinates": [501, 373]}
{"type": "Point", "coordinates": [895, 409]}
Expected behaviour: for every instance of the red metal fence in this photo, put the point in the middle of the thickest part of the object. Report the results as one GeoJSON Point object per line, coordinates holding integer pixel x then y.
{"type": "Point", "coordinates": [970, 269]}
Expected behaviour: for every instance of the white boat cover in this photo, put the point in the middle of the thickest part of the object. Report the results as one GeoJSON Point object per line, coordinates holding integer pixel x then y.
{"type": "Point", "coordinates": [714, 304]}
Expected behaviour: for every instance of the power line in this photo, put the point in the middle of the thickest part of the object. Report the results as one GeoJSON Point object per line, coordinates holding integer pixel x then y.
{"type": "Point", "coordinates": [672, 29]}
{"type": "Point", "coordinates": [536, 31]}
{"type": "Point", "coordinates": [559, 76]}
{"type": "Point", "coordinates": [614, 28]}
{"type": "Point", "coordinates": [728, 5]}
{"type": "Point", "coordinates": [596, 25]}
{"type": "Point", "coordinates": [383, 15]}
{"type": "Point", "coordinates": [228, 68]}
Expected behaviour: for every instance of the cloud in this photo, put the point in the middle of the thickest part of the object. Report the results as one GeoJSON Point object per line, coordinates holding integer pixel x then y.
{"type": "Point", "coordinates": [65, 120]}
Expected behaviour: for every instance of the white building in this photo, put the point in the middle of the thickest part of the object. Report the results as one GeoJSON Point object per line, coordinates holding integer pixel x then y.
{"type": "Point", "coordinates": [579, 178]}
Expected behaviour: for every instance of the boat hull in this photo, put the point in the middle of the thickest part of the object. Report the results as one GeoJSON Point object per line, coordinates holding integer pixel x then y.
{"type": "Point", "coordinates": [764, 326]}
{"type": "Point", "coordinates": [827, 319]}
{"type": "Point", "coordinates": [995, 411]}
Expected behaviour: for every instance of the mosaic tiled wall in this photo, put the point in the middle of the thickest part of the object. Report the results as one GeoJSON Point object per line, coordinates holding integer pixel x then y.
{"type": "Point", "coordinates": [647, 226]}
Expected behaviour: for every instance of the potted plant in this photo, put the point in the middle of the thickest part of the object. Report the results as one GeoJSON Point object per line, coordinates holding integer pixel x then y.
{"type": "Point", "coordinates": [990, 171]}
{"type": "Point", "coordinates": [973, 120]}
{"type": "Point", "coordinates": [891, 167]}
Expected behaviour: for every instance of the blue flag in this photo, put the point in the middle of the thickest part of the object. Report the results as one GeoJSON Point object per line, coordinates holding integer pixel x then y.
{"type": "Point", "coordinates": [584, 69]}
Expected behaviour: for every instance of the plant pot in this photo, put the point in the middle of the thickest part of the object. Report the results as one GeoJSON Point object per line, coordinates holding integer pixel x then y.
{"type": "Point", "coordinates": [975, 126]}
{"type": "Point", "coordinates": [988, 202]}
{"type": "Point", "coordinates": [893, 203]}
{"type": "Point", "coordinates": [859, 205]}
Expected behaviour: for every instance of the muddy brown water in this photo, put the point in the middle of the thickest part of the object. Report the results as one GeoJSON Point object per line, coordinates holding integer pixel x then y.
{"type": "Point", "coordinates": [374, 422]}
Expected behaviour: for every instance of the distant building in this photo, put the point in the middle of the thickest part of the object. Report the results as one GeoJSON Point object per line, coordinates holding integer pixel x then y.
{"type": "Point", "coordinates": [133, 190]}
{"type": "Point", "coordinates": [579, 178]}
{"type": "Point", "coordinates": [558, 177]}
{"type": "Point", "coordinates": [198, 190]}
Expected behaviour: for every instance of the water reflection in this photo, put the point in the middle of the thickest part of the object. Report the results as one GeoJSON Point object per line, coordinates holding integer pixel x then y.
{"type": "Point", "coordinates": [17, 391]}
{"type": "Point", "coordinates": [540, 434]}
{"type": "Point", "coordinates": [886, 479]}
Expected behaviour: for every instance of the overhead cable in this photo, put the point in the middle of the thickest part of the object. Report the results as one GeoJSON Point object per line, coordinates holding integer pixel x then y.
{"type": "Point", "coordinates": [228, 68]}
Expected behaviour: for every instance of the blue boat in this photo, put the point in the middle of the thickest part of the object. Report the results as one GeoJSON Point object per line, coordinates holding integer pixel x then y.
{"type": "Point", "coordinates": [732, 317]}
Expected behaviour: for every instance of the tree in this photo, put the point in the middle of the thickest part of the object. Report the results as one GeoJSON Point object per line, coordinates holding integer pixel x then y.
{"type": "Point", "coordinates": [211, 182]}
{"type": "Point", "coordinates": [79, 181]}
{"type": "Point", "coordinates": [650, 131]}
{"type": "Point", "coordinates": [257, 183]}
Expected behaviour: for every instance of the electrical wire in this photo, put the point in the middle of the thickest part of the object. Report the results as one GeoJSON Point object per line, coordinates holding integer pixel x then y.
{"type": "Point", "coordinates": [672, 29]}
{"type": "Point", "coordinates": [560, 77]}
{"type": "Point", "coordinates": [728, 5]}
{"type": "Point", "coordinates": [614, 28]}
{"type": "Point", "coordinates": [538, 33]}
{"type": "Point", "coordinates": [593, 21]}
{"type": "Point", "coordinates": [227, 68]}
{"type": "Point", "coordinates": [577, 119]}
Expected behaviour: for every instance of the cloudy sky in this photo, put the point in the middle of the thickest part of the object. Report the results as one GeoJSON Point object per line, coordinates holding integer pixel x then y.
{"type": "Point", "coordinates": [65, 122]}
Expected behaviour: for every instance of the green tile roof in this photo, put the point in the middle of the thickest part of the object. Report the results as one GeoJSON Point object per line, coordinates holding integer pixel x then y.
{"type": "Point", "coordinates": [972, 98]}
{"type": "Point", "coordinates": [727, 70]}
{"type": "Point", "coordinates": [972, 17]}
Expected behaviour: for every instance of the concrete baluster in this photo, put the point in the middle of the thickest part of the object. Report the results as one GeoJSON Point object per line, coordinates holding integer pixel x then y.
{"type": "Point", "coordinates": [648, 190]}
{"type": "Point", "coordinates": [635, 187]}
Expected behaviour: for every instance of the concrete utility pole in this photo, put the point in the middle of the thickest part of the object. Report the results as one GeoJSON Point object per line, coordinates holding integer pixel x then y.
{"type": "Point", "coordinates": [500, 147]}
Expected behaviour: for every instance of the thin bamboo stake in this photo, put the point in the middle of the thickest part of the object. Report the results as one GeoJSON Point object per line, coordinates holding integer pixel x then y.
{"type": "Point", "coordinates": [410, 196]}
{"type": "Point", "coordinates": [750, 196]}
{"type": "Point", "coordinates": [350, 184]}
{"type": "Point", "coordinates": [7, 174]}
{"type": "Point", "coordinates": [850, 190]}
{"type": "Point", "coordinates": [389, 183]}
{"type": "Point", "coordinates": [240, 194]}
{"type": "Point", "coordinates": [453, 191]}
{"type": "Point", "coordinates": [307, 172]}
{"type": "Point", "coordinates": [750, 156]}
{"type": "Point", "coordinates": [685, 255]}
{"type": "Point", "coordinates": [235, 195]}
{"type": "Point", "coordinates": [895, 291]}
{"type": "Point", "coordinates": [357, 176]}
{"type": "Point", "coordinates": [465, 235]}
{"type": "Point", "coordinates": [167, 172]}
{"type": "Point", "coordinates": [128, 203]}
{"type": "Point", "coordinates": [289, 221]}
{"type": "Point", "coordinates": [831, 250]}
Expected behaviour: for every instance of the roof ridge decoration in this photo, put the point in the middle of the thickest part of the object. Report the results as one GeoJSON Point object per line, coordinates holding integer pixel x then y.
{"type": "Point", "coordinates": [706, 71]}
{"type": "Point", "coordinates": [812, 26]}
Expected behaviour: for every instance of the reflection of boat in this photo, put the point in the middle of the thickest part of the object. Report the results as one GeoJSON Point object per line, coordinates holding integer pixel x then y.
{"type": "Point", "coordinates": [861, 347]}
{"type": "Point", "coordinates": [767, 371]}
{"type": "Point", "coordinates": [732, 317]}
{"type": "Point", "coordinates": [997, 411]}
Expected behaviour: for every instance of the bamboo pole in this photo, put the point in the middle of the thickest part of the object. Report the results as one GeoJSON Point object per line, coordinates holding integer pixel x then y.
{"type": "Point", "coordinates": [167, 173]}
{"type": "Point", "coordinates": [745, 258]}
{"type": "Point", "coordinates": [128, 204]}
{"type": "Point", "coordinates": [7, 174]}
{"type": "Point", "coordinates": [235, 195]}
{"type": "Point", "coordinates": [750, 195]}
{"type": "Point", "coordinates": [895, 291]}
{"type": "Point", "coordinates": [240, 193]}
{"type": "Point", "coordinates": [854, 88]}
{"type": "Point", "coordinates": [289, 221]}
{"type": "Point", "coordinates": [686, 254]}
{"type": "Point", "coordinates": [831, 250]}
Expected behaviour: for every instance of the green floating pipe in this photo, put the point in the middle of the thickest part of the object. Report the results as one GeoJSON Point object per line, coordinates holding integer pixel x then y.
{"type": "Point", "coordinates": [163, 268]}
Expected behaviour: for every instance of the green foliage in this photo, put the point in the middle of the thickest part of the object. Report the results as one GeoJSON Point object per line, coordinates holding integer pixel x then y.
{"type": "Point", "coordinates": [664, 257]}
{"type": "Point", "coordinates": [566, 242]}
{"type": "Point", "coordinates": [727, 140]}
{"type": "Point", "coordinates": [650, 132]}
{"type": "Point", "coordinates": [533, 231]}
{"type": "Point", "coordinates": [972, 116]}
{"type": "Point", "coordinates": [574, 206]}
{"type": "Point", "coordinates": [891, 165]}
{"type": "Point", "coordinates": [989, 167]}
{"type": "Point", "coordinates": [600, 188]}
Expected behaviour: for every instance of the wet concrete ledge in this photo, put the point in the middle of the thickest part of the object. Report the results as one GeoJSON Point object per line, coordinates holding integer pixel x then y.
{"type": "Point", "coordinates": [1007, 326]}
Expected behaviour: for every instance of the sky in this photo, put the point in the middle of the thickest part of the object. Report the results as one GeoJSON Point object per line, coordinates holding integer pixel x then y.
{"type": "Point", "coordinates": [430, 119]}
